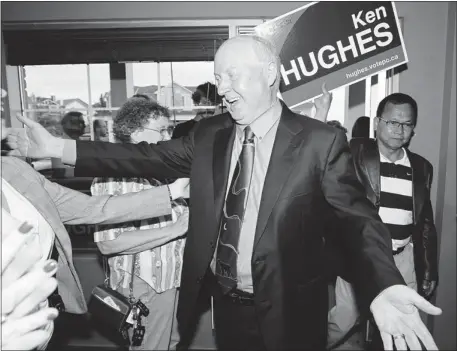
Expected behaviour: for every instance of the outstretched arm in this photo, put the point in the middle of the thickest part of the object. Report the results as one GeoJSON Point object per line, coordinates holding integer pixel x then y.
{"type": "Point", "coordinates": [169, 159]}
{"type": "Point", "coordinates": [131, 242]}
{"type": "Point", "coordinates": [77, 208]}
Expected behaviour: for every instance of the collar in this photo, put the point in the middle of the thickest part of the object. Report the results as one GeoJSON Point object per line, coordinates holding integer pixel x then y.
{"type": "Point", "coordinates": [262, 125]}
{"type": "Point", "coordinates": [404, 161]}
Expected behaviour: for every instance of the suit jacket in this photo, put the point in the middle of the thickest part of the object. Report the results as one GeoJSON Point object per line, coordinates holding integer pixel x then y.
{"type": "Point", "coordinates": [310, 174]}
{"type": "Point", "coordinates": [60, 205]}
{"type": "Point", "coordinates": [367, 165]}
{"type": "Point", "coordinates": [183, 129]}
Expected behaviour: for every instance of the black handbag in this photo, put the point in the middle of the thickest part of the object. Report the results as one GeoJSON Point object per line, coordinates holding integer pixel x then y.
{"type": "Point", "coordinates": [110, 308]}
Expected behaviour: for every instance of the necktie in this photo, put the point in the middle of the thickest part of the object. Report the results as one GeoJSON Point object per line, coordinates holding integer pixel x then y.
{"type": "Point", "coordinates": [232, 219]}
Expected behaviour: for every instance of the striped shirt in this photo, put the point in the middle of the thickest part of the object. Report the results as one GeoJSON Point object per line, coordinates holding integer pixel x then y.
{"type": "Point", "coordinates": [159, 267]}
{"type": "Point", "coordinates": [396, 202]}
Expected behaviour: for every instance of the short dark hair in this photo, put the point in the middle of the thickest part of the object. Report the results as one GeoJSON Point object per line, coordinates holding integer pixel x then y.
{"type": "Point", "coordinates": [68, 122]}
{"type": "Point", "coordinates": [141, 96]}
{"type": "Point", "coordinates": [207, 90]}
{"type": "Point", "coordinates": [134, 114]}
{"type": "Point", "coordinates": [398, 99]}
{"type": "Point", "coordinates": [337, 124]}
{"type": "Point", "coordinates": [361, 128]}
{"type": "Point", "coordinates": [69, 116]}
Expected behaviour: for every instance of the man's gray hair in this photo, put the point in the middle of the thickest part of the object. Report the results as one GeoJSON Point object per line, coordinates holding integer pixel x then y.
{"type": "Point", "coordinates": [266, 52]}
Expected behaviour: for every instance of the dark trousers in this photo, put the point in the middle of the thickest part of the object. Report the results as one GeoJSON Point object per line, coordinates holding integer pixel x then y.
{"type": "Point", "coordinates": [235, 319]}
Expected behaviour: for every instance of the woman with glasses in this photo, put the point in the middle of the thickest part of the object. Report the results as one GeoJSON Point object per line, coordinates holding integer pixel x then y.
{"type": "Point", "coordinates": [157, 259]}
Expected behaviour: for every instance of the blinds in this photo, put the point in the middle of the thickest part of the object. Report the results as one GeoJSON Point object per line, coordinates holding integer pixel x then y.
{"type": "Point", "coordinates": [76, 46]}
{"type": "Point", "coordinates": [245, 30]}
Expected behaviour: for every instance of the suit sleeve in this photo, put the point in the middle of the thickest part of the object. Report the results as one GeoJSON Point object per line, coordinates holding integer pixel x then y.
{"type": "Point", "coordinates": [366, 239]}
{"type": "Point", "coordinates": [169, 159]}
{"type": "Point", "coordinates": [429, 236]}
{"type": "Point", "coordinates": [75, 207]}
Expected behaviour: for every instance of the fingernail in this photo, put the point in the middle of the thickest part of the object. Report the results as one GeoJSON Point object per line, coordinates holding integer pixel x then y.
{"type": "Point", "coordinates": [25, 228]}
{"type": "Point", "coordinates": [53, 315]}
{"type": "Point", "coordinates": [50, 266]}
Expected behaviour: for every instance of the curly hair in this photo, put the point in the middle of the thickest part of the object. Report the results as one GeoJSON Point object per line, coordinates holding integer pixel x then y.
{"type": "Point", "coordinates": [134, 114]}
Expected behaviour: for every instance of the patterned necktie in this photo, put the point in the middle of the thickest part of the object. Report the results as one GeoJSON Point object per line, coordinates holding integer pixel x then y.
{"type": "Point", "coordinates": [232, 220]}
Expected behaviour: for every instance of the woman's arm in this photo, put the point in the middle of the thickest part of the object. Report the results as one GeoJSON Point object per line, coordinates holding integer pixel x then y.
{"type": "Point", "coordinates": [131, 242]}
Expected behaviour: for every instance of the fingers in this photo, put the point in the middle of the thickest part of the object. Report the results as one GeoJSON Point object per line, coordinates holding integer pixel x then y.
{"type": "Point", "coordinates": [26, 257]}
{"type": "Point", "coordinates": [387, 341]}
{"type": "Point", "coordinates": [411, 338]}
{"type": "Point", "coordinates": [15, 328]}
{"type": "Point", "coordinates": [29, 341]}
{"type": "Point", "coordinates": [324, 88]}
{"type": "Point", "coordinates": [26, 293]}
{"type": "Point", "coordinates": [423, 334]}
{"type": "Point", "coordinates": [13, 242]}
{"type": "Point", "coordinates": [27, 121]}
{"type": "Point", "coordinates": [424, 305]}
{"type": "Point", "coordinates": [400, 343]}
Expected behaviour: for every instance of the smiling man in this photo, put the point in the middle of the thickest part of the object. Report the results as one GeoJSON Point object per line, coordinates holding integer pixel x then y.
{"type": "Point", "coordinates": [263, 181]}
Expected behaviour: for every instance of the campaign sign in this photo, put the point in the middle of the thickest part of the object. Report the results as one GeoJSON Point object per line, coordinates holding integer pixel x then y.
{"type": "Point", "coordinates": [338, 43]}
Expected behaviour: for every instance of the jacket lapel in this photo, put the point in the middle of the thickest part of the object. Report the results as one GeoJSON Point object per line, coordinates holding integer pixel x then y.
{"type": "Point", "coordinates": [372, 164]}
{"type": "Point", "coordinates": [418, 184]}
{"type": "Point", "coordinates": [281, 163]}
{"type": "Point", "coordinates": [222, 153]}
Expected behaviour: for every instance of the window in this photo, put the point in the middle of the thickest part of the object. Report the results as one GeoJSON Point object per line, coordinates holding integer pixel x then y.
{"type": "Point", "coordinates": [76, 91]}
{"type": "Point", "coordinates": [172, 84]}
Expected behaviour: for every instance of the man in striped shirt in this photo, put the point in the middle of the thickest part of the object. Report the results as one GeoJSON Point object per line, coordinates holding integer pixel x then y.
{"type": "Point", "coordinates": [398, 182]}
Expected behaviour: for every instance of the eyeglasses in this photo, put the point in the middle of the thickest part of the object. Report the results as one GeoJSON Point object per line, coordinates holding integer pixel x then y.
{"type": "Point", "coordinates": [397, 125]}
{"type": "Point", "coordinates": [163, 131]}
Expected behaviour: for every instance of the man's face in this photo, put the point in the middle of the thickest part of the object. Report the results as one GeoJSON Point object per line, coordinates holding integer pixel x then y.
{"type": "Point", "coordinates": [242, 81]}
{"type": "Point", "coordinates": [205, 113]}
{"type": "Point", "coordinates": [393, 135]}
{"type": "Point", "coordinates": [156, 130]}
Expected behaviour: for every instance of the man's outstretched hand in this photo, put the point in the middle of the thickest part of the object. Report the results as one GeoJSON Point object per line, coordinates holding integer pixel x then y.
{"type": "Point", "coordinates": [33, 140]}
{"type": "Point", "coordinates": [395, 311]}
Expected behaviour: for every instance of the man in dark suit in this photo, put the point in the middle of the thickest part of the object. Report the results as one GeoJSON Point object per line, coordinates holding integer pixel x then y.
{"type": "Point", "coordinates": [262, 182]}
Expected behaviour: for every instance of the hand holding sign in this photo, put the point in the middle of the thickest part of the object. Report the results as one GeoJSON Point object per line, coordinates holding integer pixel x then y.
{"type": "Point", "coordinates": [322, 104]}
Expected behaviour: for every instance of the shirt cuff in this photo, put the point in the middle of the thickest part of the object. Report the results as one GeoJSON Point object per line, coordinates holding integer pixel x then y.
{"type": "Point", "coordinates": [69, 152]}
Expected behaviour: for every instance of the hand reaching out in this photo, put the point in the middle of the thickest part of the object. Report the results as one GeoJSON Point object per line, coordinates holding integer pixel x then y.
{"type": "Point", "coordinates": [180, 188]}
{"type": "Point", "coordinates": [322, 104]}
{"type": "Point", "coordinates": [33, 140]}
{"type": "Point", "coordinates": [395, 311]}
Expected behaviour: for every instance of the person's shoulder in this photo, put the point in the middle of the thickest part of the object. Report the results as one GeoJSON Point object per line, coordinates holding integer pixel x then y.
{"type": "Point", "coordinates": [12, 166]}
{"type": "Point", "coordinates": [214, 122]}
{"type": "Point", "coordinates": [15, 163]}
{"type": "Point", "coordinates": [311, 124]}
{"type": "Point", "coordinates": [362, 142]}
